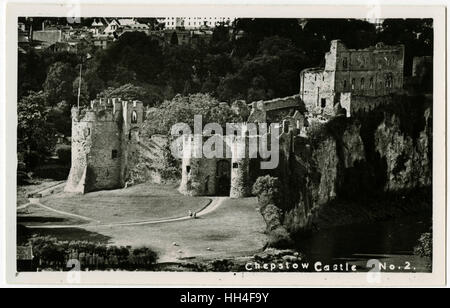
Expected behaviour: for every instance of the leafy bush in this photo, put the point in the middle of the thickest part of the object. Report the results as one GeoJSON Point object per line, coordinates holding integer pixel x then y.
{"type": "Point", "coordinates": [425, 246]}
{"type": "Point", "coordinates": [279, 238]}
{"type": "Point", "coordinates": [50, 253]}
{"type": "Point", "coordinates": [143, 256]}
{"type": "Point", "coordinates": [64, 153]}
{"type": "Point", "coordinates": [48, 250]}
{"type": "Point", "coordinates": [267, 188]}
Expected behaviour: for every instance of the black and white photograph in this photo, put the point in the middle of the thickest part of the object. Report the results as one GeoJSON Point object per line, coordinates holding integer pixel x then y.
{"type": "Point", "coordinates": [208, 142]}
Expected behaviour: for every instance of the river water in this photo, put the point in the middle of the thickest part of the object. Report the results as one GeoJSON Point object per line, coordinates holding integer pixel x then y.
{"type": "Point", "coordinates": [391, 242]}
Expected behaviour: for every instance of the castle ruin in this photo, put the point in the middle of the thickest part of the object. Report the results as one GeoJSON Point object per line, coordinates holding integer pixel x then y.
{"type": "Point", "coordinates": [350, 74]}
{"type": "Point", "coordinates": [103, 134]}
{"type": "Point", "coordinates": [106, 135]}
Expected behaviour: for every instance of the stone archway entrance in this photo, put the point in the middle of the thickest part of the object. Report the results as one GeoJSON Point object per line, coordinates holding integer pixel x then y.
{"type": "Point", "coordinates": [223, 177]}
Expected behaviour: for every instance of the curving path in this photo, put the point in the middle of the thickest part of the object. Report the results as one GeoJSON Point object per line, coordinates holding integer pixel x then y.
{"type": "Point", "coordinates": [212, 206]}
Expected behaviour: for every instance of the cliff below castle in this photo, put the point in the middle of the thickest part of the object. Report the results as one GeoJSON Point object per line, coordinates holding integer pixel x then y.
{"type": "Point", "coordinates": [371, 166]}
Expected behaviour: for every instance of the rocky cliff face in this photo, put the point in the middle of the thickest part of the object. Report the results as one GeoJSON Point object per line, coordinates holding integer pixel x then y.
{"type": "Point", "coordinates": [359, 161]}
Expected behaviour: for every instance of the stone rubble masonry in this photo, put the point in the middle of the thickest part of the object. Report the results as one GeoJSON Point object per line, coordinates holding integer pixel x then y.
{"type": "Point", "coordinates": [102, 135]}
{"type": "Point", "coordinates": [274, 110]}
{"type": "Point", "coordinates": [200, 175]}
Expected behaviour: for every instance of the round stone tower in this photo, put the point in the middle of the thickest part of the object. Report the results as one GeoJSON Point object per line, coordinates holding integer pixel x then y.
{"type": "Point", "coordinates": [198, 173]}
{"type": "Point", "coordinates": [240, 166]}
{"type": "Point", "coordinates": [99, 150]}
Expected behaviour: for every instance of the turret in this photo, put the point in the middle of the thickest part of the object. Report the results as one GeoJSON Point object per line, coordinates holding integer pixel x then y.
{"type": "Point", "coordinates": [240, 165]}
{"type": "Point", "coordinates": [197, 173]}
{"type": "Point", "coordinates": [100, 141]}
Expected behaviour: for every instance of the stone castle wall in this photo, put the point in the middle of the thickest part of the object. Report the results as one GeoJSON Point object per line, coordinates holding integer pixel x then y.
{"type": "Point", "coordinates": [317, 90]}
{"type": "Point", "coordinates": [198, 175]}
{"type": "Point", "coordinates": [357, 104]}
{"type": "Point", "coordinates": [240, 168]}
{"type": "Point", "coordinates": [206, 175]}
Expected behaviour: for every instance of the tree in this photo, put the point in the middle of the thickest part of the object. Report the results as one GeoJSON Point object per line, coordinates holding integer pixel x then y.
{"type": "Point", "coordinates": [317, 34]}
{"type": "Point", "coordinates": [182, 109]}
{"type": "Point", "coordinates": [415, 34]}
{"type": "Point", "coordinates": [174, 38]}
{"type": "Point", "coordinates": [179, 66]}
{"type": "Point", "coordinates": [257, 29]}
{"type": "Point", "coordinates": [272, 72]}
{"type": "Point", "coordinates": [35, 135]}
{"type": "Point", "coordinates": [32, 72]}
{"type": "Point", "coordinates": [58, 84]}
{"type": "Point", "coordinates": [59, 118]}
{"type": "Point", "coordinates": [134, 56]}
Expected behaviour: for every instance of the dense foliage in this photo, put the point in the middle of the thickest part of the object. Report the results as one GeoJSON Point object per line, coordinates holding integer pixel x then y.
{"type": "Point", "coordinates": [182, 109]}
{"type": "Point", "coordinates": [268, 189]}
{"type": "Point", "coordinates": [34, 133]}
{"type": "Point", "coordinates": [50, 253]}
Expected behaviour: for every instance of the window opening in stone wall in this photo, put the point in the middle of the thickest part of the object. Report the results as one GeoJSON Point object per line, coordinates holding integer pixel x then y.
{"type": "Point", "coordinates": [235, 165]}
{"type": "Point", "coordinates": [188, 169]}
{"type": "Point", "coordinates": [345, 84]}
{"type": "Point", "coordinates": [286, 126]}
{"type": "Point", "coordinates": [114, 154]}
{"type": "Point", "coordinates": [134, 117]}
{"type": "Point", "coordinates": [353, 83]}
{"type": "Point", "coordinates": [371, 83]}
{"type": "Point", "coordinates": [362, 83]}
{"type": "Point", "coordinates": [344, 63]}
{"type": "Point", "coordinates": [323, 102]}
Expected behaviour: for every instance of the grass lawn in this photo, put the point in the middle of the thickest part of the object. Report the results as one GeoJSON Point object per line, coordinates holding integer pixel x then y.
{"type": "Point", "coordinates": [34, 215]}
{"type": "Point", "coordinates": [66, 234]}
{"type": "Point", "coordinates": [139, 203]}
{"type": "Point", "coordinates": [233, 229]}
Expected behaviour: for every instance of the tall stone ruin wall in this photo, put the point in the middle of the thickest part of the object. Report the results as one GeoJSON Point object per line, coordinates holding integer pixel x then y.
{"type": "Point", "coordinates": [95, 135]}
{"type": "Point", "coordinates": [103, 137]}
{"type": "Point", "coordinates": [355, 104]}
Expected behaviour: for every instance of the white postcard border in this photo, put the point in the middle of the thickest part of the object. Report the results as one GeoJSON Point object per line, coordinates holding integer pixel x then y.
{"type": "Point", "coordinates": [437, 277]}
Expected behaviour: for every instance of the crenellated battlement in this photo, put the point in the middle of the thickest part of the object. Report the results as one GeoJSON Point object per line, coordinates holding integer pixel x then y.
{"type": "Point", "coordinates": [106, 110]}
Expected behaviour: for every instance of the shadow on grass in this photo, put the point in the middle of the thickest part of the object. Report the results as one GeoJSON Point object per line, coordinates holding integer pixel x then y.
{"type": "Point", "coordinates": [39, 219]}
{"type": "Point", "coordinates": [217, 237]}
{"type": "Point", "coordinates": [62, 234]}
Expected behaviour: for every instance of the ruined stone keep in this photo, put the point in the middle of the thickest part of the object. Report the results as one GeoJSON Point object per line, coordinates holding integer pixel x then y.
{"type": "Point", "coordinates": [373, 71]}
{"type": "Point", "coordinates": [102, 136]}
